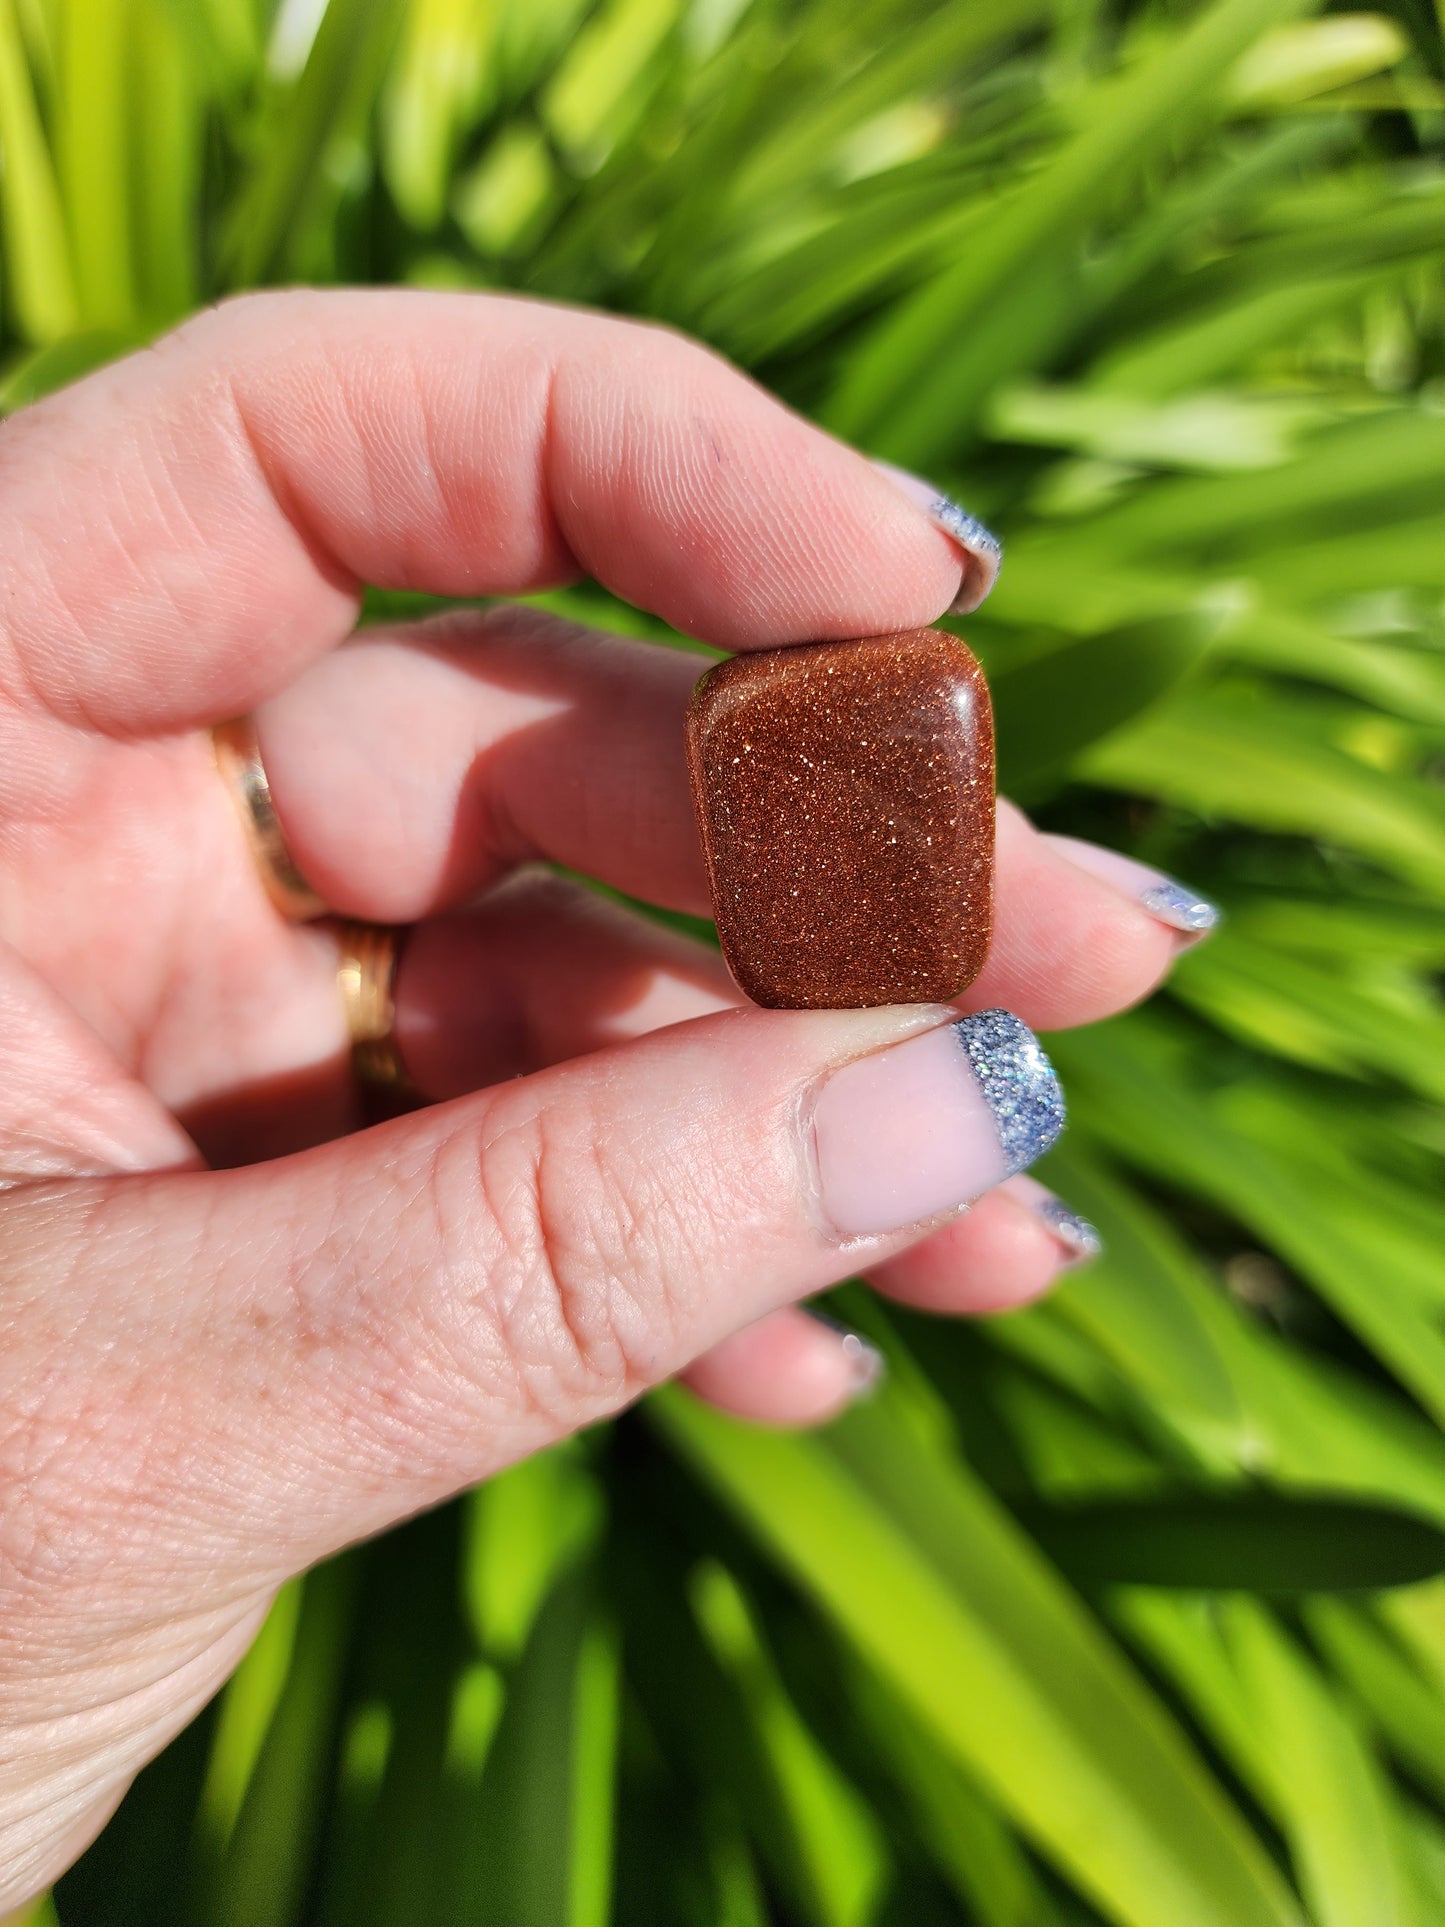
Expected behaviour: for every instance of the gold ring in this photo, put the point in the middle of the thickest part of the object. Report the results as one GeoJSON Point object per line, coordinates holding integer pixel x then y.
{"type": "Point", "coordinates": [366, 973]}
{"type": "Point", "coordinates": [238, 759]}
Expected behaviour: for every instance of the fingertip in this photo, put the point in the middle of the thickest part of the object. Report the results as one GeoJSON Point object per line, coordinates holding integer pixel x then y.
{"type": "Point", "coordinates": [729, 515]}
{"type": "Point", "coordinates": [1183, 911]}
{"type": "Point", "coordinates": [791, 1369]}
{"type": "Point", "coordinates": [1001, 1255]}
{"type": "Point", "coordinates": [1068, 948]}
{"type": "Point", "coordinates": [1076, 1238]}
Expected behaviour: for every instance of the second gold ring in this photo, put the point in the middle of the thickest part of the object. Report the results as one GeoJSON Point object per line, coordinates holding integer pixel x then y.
{"type": "Point", "coordinates": [366, 974]}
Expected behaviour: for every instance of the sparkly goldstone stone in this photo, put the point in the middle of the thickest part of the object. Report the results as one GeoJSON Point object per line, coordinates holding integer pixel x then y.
{"type": "Point", "coordinates": [845, 796]}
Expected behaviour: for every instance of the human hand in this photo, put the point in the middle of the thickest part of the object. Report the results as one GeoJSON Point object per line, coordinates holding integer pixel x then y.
{"type": "Point", "coordinates": [212, 1377]}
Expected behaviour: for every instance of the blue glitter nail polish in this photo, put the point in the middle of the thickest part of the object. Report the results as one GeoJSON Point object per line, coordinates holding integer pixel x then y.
{"type": "Point", "coordinates": [956, 521]}
{"type": "Point", "coordinates": [1068, 1227]}
{"type": "Point", "coordinates": [982, 550]}
{"type": "Point", "coordinates": [1017, 1081]}
{"type": "Point", "coordinates": [1180, 908]}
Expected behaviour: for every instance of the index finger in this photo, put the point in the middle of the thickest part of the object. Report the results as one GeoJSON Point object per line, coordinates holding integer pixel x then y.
{"type": "Point", "coordinates": [182, 532]}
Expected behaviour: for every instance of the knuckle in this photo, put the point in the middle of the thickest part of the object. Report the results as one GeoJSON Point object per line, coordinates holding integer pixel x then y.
{"type": "Point", "coordinates": [585, 1244]}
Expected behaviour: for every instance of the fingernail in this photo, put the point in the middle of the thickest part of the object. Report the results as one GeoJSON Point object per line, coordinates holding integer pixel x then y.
{"type": "Point", "coordinates": [982, 550]}
{"type": "Point", "coordinates": [1078, 1237]}
{"type": "Point", "coordinates": [1169, 901]}
{"type": "Point", "coordinates": [926, 1126]}
{"type": "Point", "coordinates": [867, 1366]}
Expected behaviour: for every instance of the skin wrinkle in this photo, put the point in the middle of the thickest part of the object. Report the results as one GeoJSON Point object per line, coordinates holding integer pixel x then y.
{"type": "Point", "coordinates": [551, 442]}
{"type": "Point", "coordinates": [463, 535]}
{"type": "Point", "coordinates": [57, 599]}
{"type": "Point", "coordinates": [152, 500]}
{"type": "Point", "coordinates": [318, 553]}
{"type": "Point", "coordinates": [170, 938]}
{"type": "Point", "coordinates": [151, 1464]}
{"type": "Point", "coordinates": [435, 470]}
{"type": "Point", "coordinates": [23, 428]}
{"type": "Point", "coordinates": [124, 568]}
{"type": "Point", "coordinates": [404, 571]}
{"type": "Point", "coordinates": [444, 1230]}
{"type": "Point", "coordinates": [140, 1718]}
{"type": "Point", "coordinates": [42, 763]}
{"type": "Point", "coordinates": [494, 823]}
{"type": "Point", "coordinates": [625, 1224]}
{"type": "Point", "coordinates": [336, 399]}
{"type": "Point", "coordinates": [126, 1656]}
{"type": "Point", "coordinates": [529, 1283]}
{"type": "Point", "coordinates": [95, 1473]}
{"type": "Point", "coordinates": [399, 1379]}
{"type": "Point", "coordinates": [168, 1465]}
{"type": "Point", "coordinates": [74, 1118]}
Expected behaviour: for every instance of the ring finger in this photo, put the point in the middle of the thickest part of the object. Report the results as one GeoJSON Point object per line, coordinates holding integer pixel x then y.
{"type": "Point", "coordinates": [414, 768]}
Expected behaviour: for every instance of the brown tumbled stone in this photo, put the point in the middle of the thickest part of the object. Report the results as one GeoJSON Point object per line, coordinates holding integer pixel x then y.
{"type": "Point", "coordinates": [845, 795]}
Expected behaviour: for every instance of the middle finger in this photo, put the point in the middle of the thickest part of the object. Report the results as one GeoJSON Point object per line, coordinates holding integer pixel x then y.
{"type": "Point", "coordinates": [416, 767]}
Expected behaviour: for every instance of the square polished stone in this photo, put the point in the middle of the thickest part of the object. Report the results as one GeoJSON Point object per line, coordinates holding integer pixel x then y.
{"type": "Point", "coordinates": [845, 796]}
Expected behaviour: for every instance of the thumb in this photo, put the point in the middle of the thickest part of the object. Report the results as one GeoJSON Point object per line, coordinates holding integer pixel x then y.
{"type": "Point", "coordinates": [279, 1359]}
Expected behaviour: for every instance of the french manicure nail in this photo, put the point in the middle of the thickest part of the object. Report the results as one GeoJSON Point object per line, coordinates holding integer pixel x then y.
{"type": "Point", "coordinates": [867, 1366]}
{"type": "Point", "coordinates": [1169, 901]}
{"type": "Point", "coordinates": [1078, 1237]}
{"type": "Point", "coordinates": [926, 1126]}
{"type": "Point", "coordinates": [982, 550]}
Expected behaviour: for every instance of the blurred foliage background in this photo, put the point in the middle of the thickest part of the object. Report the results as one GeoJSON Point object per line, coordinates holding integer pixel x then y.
{"type": "Point", "coordinates": [1119, 1610]}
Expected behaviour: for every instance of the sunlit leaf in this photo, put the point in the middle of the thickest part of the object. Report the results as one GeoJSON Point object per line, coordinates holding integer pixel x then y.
{"type": "Point", "coordinates": [316, 114]}
{"type": "Point", "coordinates": [917, 381]}
{"type": "Point", "coordinates": [913, 1562]}
{"type": "Point", "coordinates": [40, 281]}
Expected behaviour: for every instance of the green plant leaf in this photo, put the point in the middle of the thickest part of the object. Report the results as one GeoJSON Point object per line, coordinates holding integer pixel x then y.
{"type": "Point", "coordinates": [1406, 681]}
{"type": "Point", "coordinates": [1312, 56]}
{"type": "Point", "coordinates": [523, 1529]}
{"type": "Point", "coordinates": [1331, 1798]}
{"type": "Point", "coordinates": [1317, 1214]}
{"type": "Point", "coordinates": [970, 1844]}
{"type": "Point", "coordinates": [1398, 1699]}
{"type": "Point", "coordinates": [1051, 706]}
{"type": "Point", "coordinates": [439, 83]}
{"type": "Point", "coordinates": [915, 1565]}
{"type": "Point", "coordinates": [1356, 470]}
{"type": "Point", "coordinates": [840, 1863]}
{"type": "Point", "coordinates": [1249, 762]}
{"type": "Point", "coordinates": [1146, 1304]}
{"type": "Point", "coordinates": [1293, 1743]}
{"type": "Point", "coordinates": [169, 135]}
{"type": "Point", "coordinates": [325, 106]}
{"type": "Point", "coordinates": [40, 279]}
{"type": "Point", "coordinates": [917, 382]}
{"type": "Point", "coordinates": [541, 1849]}
{"type": "Point", "coordinates": [259, 1877]}
{"type": "Point", "coordinates": [93, 146]}
{"type": "Point", "coordinates": [46, 369]}
{"type": "Point", "coordinates": [248, 1707]}
{"type": "Point", "coordinates": [1353, 1020]}
{"type": "Point", "coordinates": [1245, 1542]}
